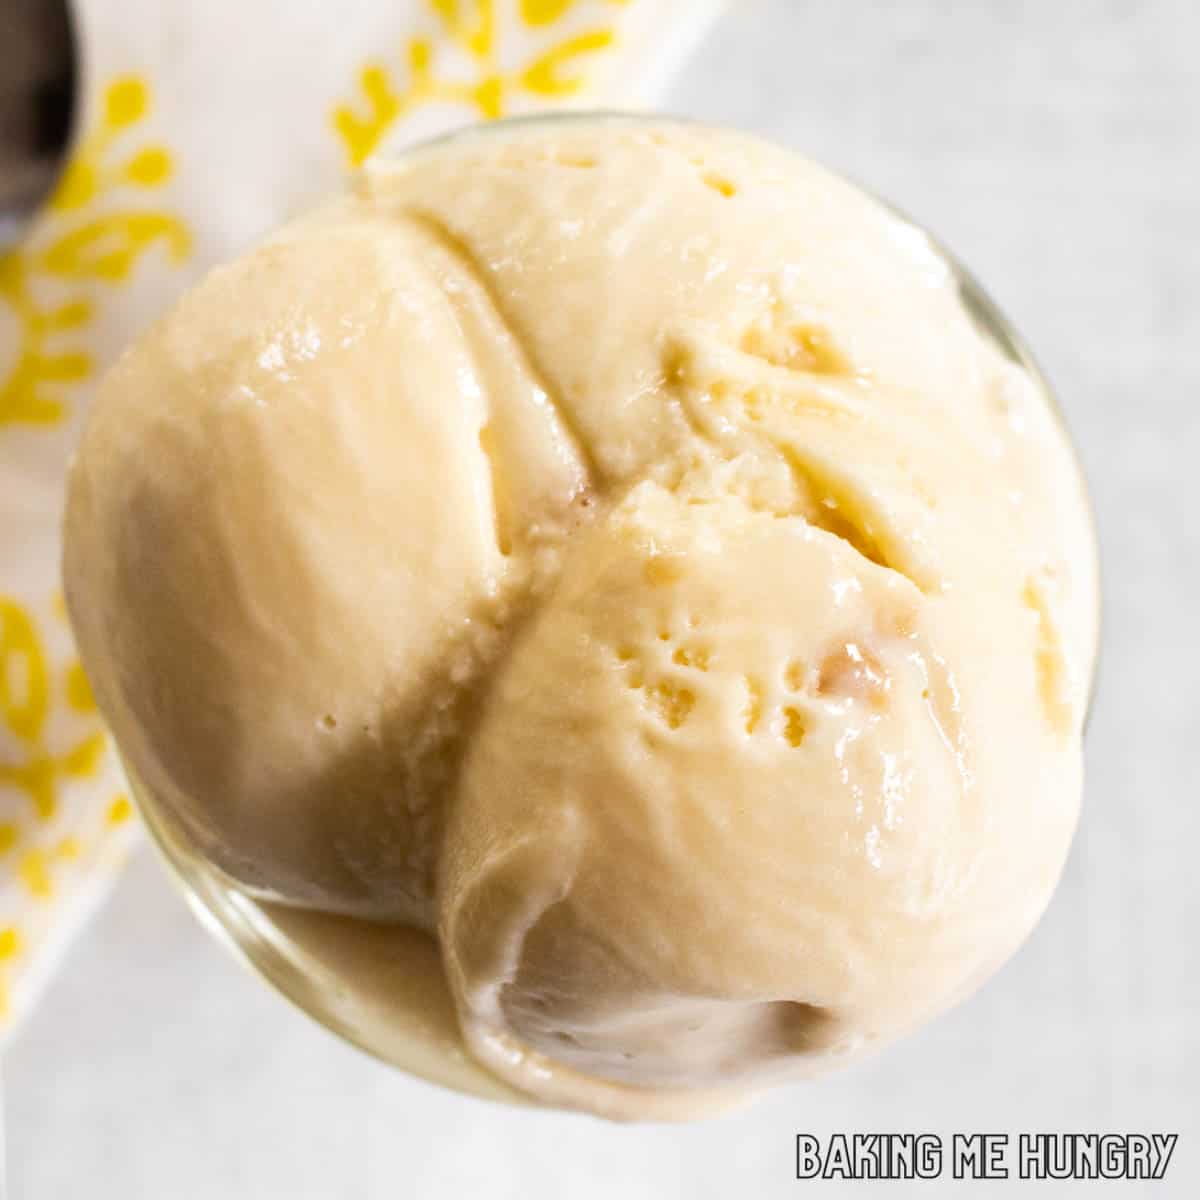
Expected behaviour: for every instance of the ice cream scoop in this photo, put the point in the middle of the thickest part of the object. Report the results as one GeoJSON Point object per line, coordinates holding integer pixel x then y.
{"type": "Point", "coordinates": [614, 548]}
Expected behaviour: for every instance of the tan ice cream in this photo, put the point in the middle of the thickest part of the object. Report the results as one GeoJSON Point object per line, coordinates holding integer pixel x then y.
{"type": "Point", "coordinates": [612, 547]}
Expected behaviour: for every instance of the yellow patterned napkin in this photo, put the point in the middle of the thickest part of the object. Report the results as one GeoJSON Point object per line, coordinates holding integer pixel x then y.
{"type": "Point", "coordinates": [203, 124]}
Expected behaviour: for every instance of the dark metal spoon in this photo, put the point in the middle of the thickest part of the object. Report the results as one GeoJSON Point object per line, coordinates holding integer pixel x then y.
{"type": "Point", "coordinates": [38, 82]}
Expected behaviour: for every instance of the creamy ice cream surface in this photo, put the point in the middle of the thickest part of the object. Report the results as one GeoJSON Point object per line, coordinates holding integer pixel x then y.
{"type": "Point", "coordinates": [613, 548]}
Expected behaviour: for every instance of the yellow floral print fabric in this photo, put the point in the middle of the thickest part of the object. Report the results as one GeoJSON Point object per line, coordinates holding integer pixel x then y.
{"type": "Point", "coordinates": [189, 144]}
{"type": "Point", "coordinates": [65, 821]}
{"type": "Point", "coordinates": [82, 245]}
{"type": "Point", "coordinates": [481, 76]}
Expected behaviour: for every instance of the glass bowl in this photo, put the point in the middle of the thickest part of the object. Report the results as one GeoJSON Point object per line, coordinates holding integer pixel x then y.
{"type": "Point", "coordinates": [400, 1011]}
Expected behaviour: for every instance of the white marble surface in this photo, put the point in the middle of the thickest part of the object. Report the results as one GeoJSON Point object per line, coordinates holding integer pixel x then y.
{"type": "Point", "coordinates": [1054, 146]}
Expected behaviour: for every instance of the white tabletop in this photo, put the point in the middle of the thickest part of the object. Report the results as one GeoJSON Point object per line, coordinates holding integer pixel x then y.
{"type": "Point", "coordinates": [1056, 148]}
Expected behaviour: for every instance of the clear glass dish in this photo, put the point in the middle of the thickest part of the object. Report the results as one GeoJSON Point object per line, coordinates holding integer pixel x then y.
{"type": "Point", "coordinates": [400, 1010]}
